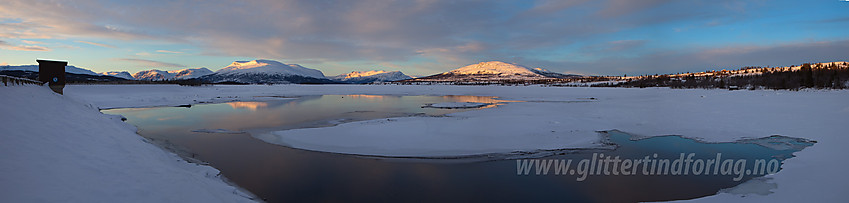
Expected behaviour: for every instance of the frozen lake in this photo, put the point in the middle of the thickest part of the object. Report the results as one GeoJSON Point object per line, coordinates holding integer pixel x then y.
{"type": "Point", "coordinates": [219, 134]}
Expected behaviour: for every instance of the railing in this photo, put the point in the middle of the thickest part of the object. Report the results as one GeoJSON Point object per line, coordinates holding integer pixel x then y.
{"type": "Point", "coordinates": [9, 80]}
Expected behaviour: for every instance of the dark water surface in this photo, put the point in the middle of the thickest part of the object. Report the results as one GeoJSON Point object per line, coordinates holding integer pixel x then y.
{"type": "Point", "coordinates": [280, 174]}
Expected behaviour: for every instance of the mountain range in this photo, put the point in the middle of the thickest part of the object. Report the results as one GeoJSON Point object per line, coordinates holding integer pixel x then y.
{"type": "Point", "coordinates": [262, 71]}
{"type": "Point", "coordinates": [34, 68]}
{"type": "Point", "coordinates": [154, 74]}
{"type": "Point", "coordinates": [362, 77]}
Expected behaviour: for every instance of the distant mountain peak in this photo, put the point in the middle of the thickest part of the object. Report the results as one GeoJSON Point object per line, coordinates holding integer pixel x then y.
{"type": "Point", "coordinates": [242, 65]}
{"type": "Point", "coordinates": [156, 74]}
{"type": "Point", "coordinates": [190, 73]}
{"type": "Point", "coordinates": [493, 71]}
{"type": "Point", "coordinates": [494, 68]}
{"type": "Point", "coordinates": [266, 71]}
{"type": "Point", "coordinates": [120, 74]}
{"type": "Point", "coordinates": [269, 67]}
{"type": "Point", "coordinates": [371, 76]}
{"type": "Point", "coordinates": [355, 74]}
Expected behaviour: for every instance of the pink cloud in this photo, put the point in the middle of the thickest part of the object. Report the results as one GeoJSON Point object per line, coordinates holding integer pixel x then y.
{"type": "Point", "coordinates": [169, 52]}
{"type": "Point", "coordinates": [96, 44]}
{"type": "Point", "coordinates": [6, 45]}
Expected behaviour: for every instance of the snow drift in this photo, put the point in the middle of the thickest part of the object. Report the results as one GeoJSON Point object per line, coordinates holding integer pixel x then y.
{"type": "Point", "coordinates": [55, 149]}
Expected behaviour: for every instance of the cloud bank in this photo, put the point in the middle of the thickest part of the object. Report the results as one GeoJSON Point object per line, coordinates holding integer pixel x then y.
{"type": "Point", "coordinates": [606, 36]}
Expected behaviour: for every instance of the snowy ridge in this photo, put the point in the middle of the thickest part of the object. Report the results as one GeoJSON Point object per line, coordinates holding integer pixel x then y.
{"type": "Point", "coordinates": [155, 74]}
{"type": "Point", "coordinates": [119, 74]}
{"type": "Point", "coordinates": [355, 74]}
{"type": "Point", "coordinates": [190, 73]}
{"type": "Point", "coordinates": [34, 68]}
{"type": "Point", "coordinates": [371, 76]}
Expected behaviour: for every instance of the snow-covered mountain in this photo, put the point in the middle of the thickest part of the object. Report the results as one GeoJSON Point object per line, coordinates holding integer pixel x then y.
{"type": "Point", "coordinates": [495, 68]}
{"type": "Point", "coordinates": [155, 74]}
{"type": "Point", "coordinates": [361, 77]}
{"type": "Point", "coordinates": [120, 74]}
{"type": "Point", "coordinates": [493, 71]}
{"type": "Point", "coordinates": [266, 71]}
{"type": "Point", "coordinates": [550, 74]}
{"type": "Point", "coordinates": [190, 73]}
{"type": "Point", "coordinates": [34, 68]}
{"type": "Point", "coordinates": [260, 66]}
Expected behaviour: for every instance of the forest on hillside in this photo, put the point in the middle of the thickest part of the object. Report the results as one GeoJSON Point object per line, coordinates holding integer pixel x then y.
{"type": "Point", "coordinates": [819, 76]}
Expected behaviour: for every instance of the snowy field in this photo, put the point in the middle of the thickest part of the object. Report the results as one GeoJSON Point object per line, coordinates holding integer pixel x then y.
{"type": "Point", "coordinates": [550, 118]}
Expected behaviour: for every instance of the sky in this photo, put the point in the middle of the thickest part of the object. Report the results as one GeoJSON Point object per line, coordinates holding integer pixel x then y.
{"type": "Point", "coordinates": [424, 37]}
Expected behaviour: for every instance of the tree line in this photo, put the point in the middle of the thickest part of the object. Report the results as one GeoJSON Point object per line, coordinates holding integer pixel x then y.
{"type": "Point", "coordinates": [818, 76]}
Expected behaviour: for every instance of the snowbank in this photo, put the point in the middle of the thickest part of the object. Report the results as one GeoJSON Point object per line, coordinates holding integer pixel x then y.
{"type": "Point", "coordinates": [54, 149]}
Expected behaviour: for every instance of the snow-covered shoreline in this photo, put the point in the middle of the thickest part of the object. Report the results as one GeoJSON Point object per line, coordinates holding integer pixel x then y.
{"type": "Point", "coordinates": [55, 149]}
{"type": "Point", "coordinates": [708, 115]}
